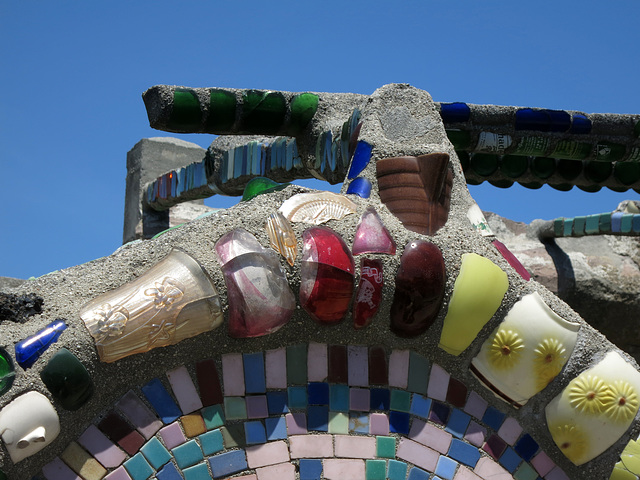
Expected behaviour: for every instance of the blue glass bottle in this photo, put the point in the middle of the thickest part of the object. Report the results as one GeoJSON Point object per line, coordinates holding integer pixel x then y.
{"type": "Point", "coordinates": [31, 348]}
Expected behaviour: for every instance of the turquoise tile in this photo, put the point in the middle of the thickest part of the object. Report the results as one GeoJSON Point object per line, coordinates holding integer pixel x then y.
{"type": "Point", "coordinates": [568, 227]}
{"type": "Point", "coordinates": [625, 226]}
{"type": "Point", "coordinates": [187, 454]}
{"type": "Point", "coordinates": [396, 470]}
{"type": "Point", "coordinates": [604, 223]}
{"type": "Point", "coordinates": [213, 416]}
{"type": "Point", "coordinates": [400, 401]}
{"type": "Point", "coordinates": [211, 442]}
{"type": "Point", "coordinates": [376, 469]}
{"type": "Point", "coordinates": [198, 472]}
{"type": "Point", "coordinates": [339, 398]}
{"type": "Point", "coordinates": [591, 225]}
{"type": "Point", "coordinates": [155, 453]}
{"type": "Point", "coordinates": [578, 225]}
{"type": "Point", "coordinates": [297, 397]}
{"type": "Point", "coordinates": [138, 468]}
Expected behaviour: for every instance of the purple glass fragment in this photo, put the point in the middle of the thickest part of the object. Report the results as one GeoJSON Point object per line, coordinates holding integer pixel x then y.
{"type": "Point", "coordinates": [372, 236]}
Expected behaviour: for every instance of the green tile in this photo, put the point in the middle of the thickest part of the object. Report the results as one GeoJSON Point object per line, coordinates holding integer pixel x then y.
{"type": "Point", "coordinates": [578, 225]}
{"type": "Point", "coordinates": [525, 472]}
{"type": "Point", "coordinates": [338, 423]}
{"type": "Point", "coordinates": [627, 222]}
{"type": "Point", "coordinates": [297, 364]}
{"type": "Point", "coordinates": [558, 227]}
{"type": "Point", "coordinates": [68, 380]}
{"type": "Point", "coordinates": [568, 227]}
{"type": "Point", "coordinates": [303, 108]}
{"type": "Point", "coordinates": [376, 470]}
{"type": "Point", "coordinates": [235, 408]}
{"type": "Point", "coordinates": [385, 447]}
{"type": "Point", "coordinates": [186, 114]}
{"type": "Point", "coordinates": [213, 416]}
{"type": "Point", "coordinates": [592, 224]}
{"type": "Point", "coordinates": [262, 112]}
{"type": "Point", "coordinates": [604, 224]}
{"type": "Point", "coordinates": [418, 373]}
{"type": "Point", "coordinates": [400, 401]}
{"type": "Point", "coordinates": [222, 110]}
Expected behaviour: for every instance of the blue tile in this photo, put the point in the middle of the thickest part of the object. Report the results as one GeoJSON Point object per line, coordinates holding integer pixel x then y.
{"type": "Point", "coordinates": [187, 454]}
{"type": "Point", "coordinates": [420, 406]}
{"type": "Point", "coordinates": [276, 428]}
{"type": "Point", "coordinates": [297, 397]}
{"type": "Point", "coordinates": [358, 423]}
{"type": "Point", "coordinates": [318, 393]}
{"type": "Point", "coordinates": [211, 442]}
{"type": "Point", "coordinates": [161, 401]}
{"type": "Point", "coordinates": [138, 468]}
{"type": "Point", "coordinates": [399, 422]}
{"type": "Point", "coordinates": [418, 474]}
{"type": "Point", "coordinates": [155, 453]}
{"type": "Point", "coordinates": [616, 222]}
{"type": "Point", "coordinates": [277, 402]}
{"type": "Point", "coordinates": [168, 472]}
{"type": "Point", "coordinates": [228, 463]}
{"type": "Point", "coordinates": [464, 453]}
{"type": "Point", "coordinates": [446, 468]}
{"type": "Point", "coordinates": [635, 223]}
{"type": "Point", "coordinates": [493, 418]}
{"type": "Point", "coordinates": [254, 379]}
{"type": "Point", "coordinates": [310, 469]}
{"type": "Point", "coordinates": [396, 470]}
{"type": "Point", "coordinates": [510, 460]}
{"type": "Point", "coordinates": [526, 447]}
{"type": "Point", "coordinates": [339, 398]}
{"type": "Point", "coordinates": [439, 413]}
{"type": "Point", "coordinates": [458, 423]}
{"type": "Point", "coordinates": [198, 472]}
{"type": "Point", "coordinates": [254, 432]}
{"type": "Point", "coordinates": [380, 399]}
{"type": "Point", "coordinates": [318, 418]}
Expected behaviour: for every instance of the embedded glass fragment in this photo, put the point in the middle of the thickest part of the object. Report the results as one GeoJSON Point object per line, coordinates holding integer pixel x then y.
{"type": "Point", "coordinates": [173, 300]}
{"type": "Point", "coordinates": [263, 112]}
{"type": "Point", "coordinates": [369, 293]}
{"type": "Point", "coordinates": [282, 237]}
{"type": "Point", "coordinates": [317, 208]}
{"type": "Point", "coordinates": [303, 108]}
{"type": "Point", "coordinates": [260, 300]}
{"type": "Point", "coordinates": [326, 275]}
{"type": "Point", "coordinates": [7, 372]}
{"type": "Point", "coordinates": [372, 236]}
{"type": "Point", "coordinates": [259, 185]}
{"type": "Point", "coordinates": [526, 351]}
{"type": "Point", "coordinates": [512, 259]}
{"type": "Point", "coordinates": [30, 349]}
{"type": "Point", "coordinates": [477, 294]}
{"type": "Point", "coordinates": [419, 293]}
{"type": "Point", "coordinates": [361, 158]}
{"type": "Point", "coordinates": [68, 380]}
{"type": "Point", "coordinates": [360, 186]}
{"type": "Point", "coordinates": [595, 409]}
{"type": "Point", "coordinates": [27, 425]}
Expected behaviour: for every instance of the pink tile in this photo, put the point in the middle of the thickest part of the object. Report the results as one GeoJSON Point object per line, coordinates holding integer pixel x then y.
{"type": "Point", "coordinates": [475, 434]}
{"type": "Point", "coordinates": [296, 423]}
{"type": "Point", "coordinates": [542, 463]}
{"type": "Point", "coordinates": [172, 435]}
{"type": "Point", "coordinates": [556, 474]}
{"type": "Point", "coordinates": [58, 470]}
{"type": "Point", "coordinates": [233, 375]}
{"type": "Point", "coordinates": [359, 399]}
{"type": "Point", "coordinates": [488, 468]}
{"type": "Point", "coordinates": [476, 405]}
{"type": "Point", "coordinates": [438, 383]}
{"type": "Point", "coordinates": [257, 406]}
{"type": "Point", "coordinates": [347, 446]}
{"type": "Point", "coordinates": [399, 369]}
{"type": "Point", "coordinates": [248, 477]}
{"type": "Point", "coordinates": [378, 424]}
{"type": "Point", "coordinates": [311, 446]}
{"type": "Point", "coordinates": [358, 365]}
{"type": "Point", "coordinates": [510, 430]}
{"type": "Point", "coordinates": [103, 449]}
{"type": "Point", "coordinates": [184, 390]}
{"type": "Point", "coordinates": [430, 436]}
{"type": "Point", "coordinates": [464, 473]}
{"type": "Point", "coordinates": [276, 368]}
{"type": "Point", "coordinates": [317, 366]}
{"type": "Point", "coordinates": [334, 469]}
{"type": "Point", "coordinates": [284, 471]}
{"type": "Point", "coordinates": [139, 414]}
{"type": "Point", "coordinates": [417, 454]}
{"type": "Point", "coordinates": [267, 454]}
{"type": "Point", "coordinates": [118, 474]}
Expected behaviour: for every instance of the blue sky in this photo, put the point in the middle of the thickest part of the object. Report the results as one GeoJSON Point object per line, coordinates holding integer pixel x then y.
{"type": "Point", "coordinates": [73, 73]}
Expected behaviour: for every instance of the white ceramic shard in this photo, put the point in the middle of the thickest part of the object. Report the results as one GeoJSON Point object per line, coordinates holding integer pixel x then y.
{"type": "Point", "coordinates": [526, 351]}
{"type": "Point", "coordinates": [317, 208]}
{"type": "Point", "coordinates": [27, 425]}
{"type": "Point", "coordinates": [476, 217]}
{"type": "Point", "coordinates": [595, 409]}
{"type": "Point", "coordinates": [172, 301]}
{"type": "Point", "coordinates": [282, 237]}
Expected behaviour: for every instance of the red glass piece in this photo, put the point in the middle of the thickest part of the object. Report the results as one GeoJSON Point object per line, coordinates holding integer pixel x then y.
{"type": "Point", "coordinates": [369, 292]}
{"type": "Point", "coordinates": [326, 275]}
{"type": "Point", "coordinates": [511, 258]}
{"type": "Point", "coordinates": [420, 283]}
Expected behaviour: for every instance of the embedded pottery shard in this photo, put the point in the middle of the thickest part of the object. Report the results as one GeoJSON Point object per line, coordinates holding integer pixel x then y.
{"type": "Point", "coordinates": [526, 351]}
{"type": "Point", "coordinates": [27, 425]}
{"type": "Point", "coordinates": [420, 283]}
{"type": "Point", "coordinates": [326, 275]}
{"type": "Point", "coordinates": [369, 292]}
{"type": "Point", "coordinates": [172, 301]}
{"type": "Point", "coordinates": [372, 236]}
{"type": "Point", "coordinates": [68, 380]}
{"type": "Point", "coordinates": [595, 409]}
{"type": "Point", "coordinates": [317, 208]}
{"type": "Point", "coordinates": [30, 349]}
{"type": "Point", "coordinates": [477, 293]}
{"type": "Point", "coordinates": [260, 300]}
{"type": "Point", "coordinates": [282, 237]}
{"type": "Point", "coordinates": [476, 217]}
{"type": "Point", "coordinates": [417, 190]}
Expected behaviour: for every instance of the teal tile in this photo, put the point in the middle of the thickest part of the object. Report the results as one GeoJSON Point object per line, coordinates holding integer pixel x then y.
{"type": "Point", "coordinates": [604, 223]}
{"type": "Point", "coordinates": [213, 416]}
{"type": "Point", "coordinates": [568, 227]}
{"type": "Point", "coordinates": [297, 365]}
{"type": "Point", "coordinates": [297, 397]}
{"type": "Point", "coordinates": [235, 408]}
{"type": "Point", "coordinates": [396, 470]}
{"type": "Point", "coordinates": [197, 472]}
{"type": "Point", "coordinates": [187, 454]}
{"type": "Point", "coordinates": [626, 223]}
{"type": "Point", "coordinates": [211, 442]}
{"type": "Point", "coordinates": [400, 401]}
{"type": "Point", "coordinates": [385, 447]}
{"type": "Point", "coordinates": [592, 224]}
{"type": "Point", "coordinates": [155, 453]}
{"type": "Point", "coordinates": [339, 398]}
{"type": "Point", "coordinates": [138, 468]}
{"type": "Point", "coordinates": [376, 469]}
{"type": "Point", "coordinates": [418, 373]}
{"type": "Point", "coordinates": [578, 226]}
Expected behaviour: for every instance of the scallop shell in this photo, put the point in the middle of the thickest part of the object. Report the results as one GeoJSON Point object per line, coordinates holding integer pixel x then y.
{"type": "Point", "coordinates": [282, 236]}
{"type": "Point", "coordinates": [317, 208]}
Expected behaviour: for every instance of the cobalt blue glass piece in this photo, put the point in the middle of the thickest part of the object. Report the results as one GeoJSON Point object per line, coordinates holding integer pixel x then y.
{"type": "Point", "coordinates": [254, 432]}
{"type": "Point", "coordinates": [228, 463]}
{"type": "Point", "coordinates": [318, 418]}
{"type": "Point", "coordinates": [559, 120]}
{"type": "Point", "coordinates": [399, 422]}
{"type": "Point", "coordinates": [380, 399]}
{"type": "Point", "coordinates": [580, 125]}
{"type": "Point", "coordinates": [310, 469]}
{"type": "Point", "coordinates": [510, 460]}
{"type": "Point", "coordinates": [277, 402]}
{"type": "Point", "coordinates": [439, 413]}
{"type": "Point", "coordinates": [254, 379]}
{"type": "Point", "coordinates": [161, 401]}
{"type": "Point", "coordinates": [529, 119]}
{"type": "Point", "coordinates": [31, 348]}
{"type": "Point", "coordinates": [493, 418]}
{"type": "Point", "coordinates": [361, 158]}
{"type": "Point", "coordinates": [339, 398]}
{"type": "Point", "coordinates": [318, 393]}
{"type": "Point", "coordinates": [455, 112]}
{"type": "Point", "coordinates": [360, 186]}
{"type": "Point", "coordinates": [464, 453]}
{"type": "Point", "coordinates": [458, 423]}
{"type": "Point", "coordinates": [526, 447]}
{"type": "Point", "coordinates": [276, 428]}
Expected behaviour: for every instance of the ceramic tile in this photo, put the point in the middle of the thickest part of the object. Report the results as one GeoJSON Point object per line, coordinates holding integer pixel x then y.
{"type": "Point", "coordinates": [187, 454]}
{"type": "Point", "coordinates": [213, 416]}
{"type": "Point", "coordinates": [310, 469]}
{"type": "Point", "coordinates": [235, 408]}
{"type": "Point", "coordinates": [420, 406]}
{"type": "Point", "coordinates": [399, 369]}
{"type": "Point", "coordinates": [297, 364]}
{"type": "Point", "coordinates": [277, 402]}
{"type": "Point", "coordinates": [475, 434]}
{"type": "Point", "coordinates": [138, 468]}
{"type": "Point", "coordinates": [317, 362]}
{"type": "Point", "coordinates": [378, 370]}
{"type": "Point", "coordinates": [378, 424]}
{"type": "Point", "coordinates": [211, 442]}
{"type": "Point", "coordinates": [103, 449]}
{"type": "Point", "coordinates": [354, 447]}
{"type": "Point", "coordinates": [296, 423]}
{"type": "Point", "coordinates": [172, 435]}
{"type": "Point", "coordinates": [358, 369]}
{"type": "Point", "coordinates": [282, 471]}
{"type": "Point", "coordinates": [358, 423]}
{"type": "Point", "coordinates": [318, 393]}
{"type": "Point", "coordinates": [276, 368]}
{"type": "Point", "coordinates": [257, 406]}
{"type": "Point", "coordinates": [233, 374]}
{"type": "Point", "coordinates": [297, 398]}
{"type": "Point", "coordinates": [338, 423]}
{"type": "Point", "coordinates": [359, 399]}
{"type": "Point", "coordinates": [120, 473]}
{"type": "Point", "coordinates": [82, 463]}
{"type": "Point", "coordinates": [197, 472]}
{"type": "Point", "coordinates": [311, 446]}
{"type": "Point", "coordinates": [493, 418]}
{"type": "Point", "coordinates": [139, 414]}
{"type": "Point", "coordinates": [209, 382]}
{"type": "Point", "coordinates": [464, 473]}
{"type": "Point", "coordinates": [457, 393]}
{"type": "Point", "coordinates": [510, 460]}
{"type": "Point", "coordinates": [318, 418]}
{"type": "Point", "coordinates": [338, 367]}
{"type": "Point", "coordinates": [254, 373]}
{"type": "Point", "coordinates": [418, 373]}
{"type": "Point", "coordinates": [228, 463]}
{"type": "Point", "coordinates": [233, 435]}
{"type": "Point", "coordinates": [463, 453]}
{"type": "Point", "coordinates": [58, 470]}
{"type": "Point", "coordinates": [255, 432]}
{"type": "Point", "coordinates": [525, 472]}
{"type": "Point", "coordinates": [556, 474]}
{"type": "Point", "coordinates": [446, 468]}
{"type": "Point", "coordinates": [375, 470]}
{"type": "Point", "coordinates": [161, 401]}
{"type": "Point", "coordinates": [385, 447]}
{"type": "Point", "coordinates": [526, 447]}
{"type": "Point", "coordinates": [495, 446]}
{"type": "Point", "coordinates": [430, 436]}
{"type": "Point", "coordinates": [439, 413]}
{"type": "Point", "coordinates": [418, 474]}
{"type": "Point", "coordinates": [476, 405]}
{"type": "Point", "coordinates": [276, 428]}
{"type": "Point", "coordinates": [438, 383]}
{"type": "Point", "coordinates": [120, 432]}
{"type": "Point", "coordinates": [400, 401]}
{"type": "Point", "coordinates": [267, 454]}
{"type": "Point", "coordinates": [417, 454]}
{"type": "Point", "coordinates": [510, 430]}
{"type": "Point", "coordinates": [184, 390]}
{"type": "Point", "coordinates": [458, 423]}
{"type": "Point", "coordinates": [488, 468]}
{"type": "Point", "coordinates": [379, 399]}
{"type": "Point", "coordinates": [542, 463]}
{"type": "Point", "coordinates": [396, 470]}
{"type": "Point", "coordinates": [193, 424]}
{"type": "Point", "coordinates": [339, 398]}
{"type": "Point", "coordinates": [335, 469]}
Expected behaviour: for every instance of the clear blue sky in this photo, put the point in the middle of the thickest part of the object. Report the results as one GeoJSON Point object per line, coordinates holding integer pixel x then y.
{"type": "Point", "coordinates": [72, 73]}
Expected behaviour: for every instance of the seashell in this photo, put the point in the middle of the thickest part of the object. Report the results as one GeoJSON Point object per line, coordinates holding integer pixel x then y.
{"type": "Point", "coordinates": [282, 237]}
{"type": "Point", "coordinates": [317, 208]}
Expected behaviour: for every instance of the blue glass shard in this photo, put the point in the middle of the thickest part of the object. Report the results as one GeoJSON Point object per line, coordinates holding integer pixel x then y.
{"type": "Point", "coordinates": [360, 186]}
{"type": "Point", "coordinates": [174, 183]}
{"type": "Point", "coordinates": [454, 112]}
{"type": "Point", "coordinates": [334, 151]}
{"type": "Point", "coordinates": [31, 348]}
{"type": "Point", "coordinates": [580, 124]}
{"type": "Point", "coordinates": [354, 121]}
{"type": "Point", "coordinates": [290, 146]}
{"type": "Point", "coordinates": [559, 120]}
{"type": "Point", "coordinates": [361, 158]}
{"type": "Point", "coordinates": [265, 157]}
{"type": "Point", "coordinates": [256, 158]}
{"type": "Point", "coordinates": [237, 161]}
{"type": "Point", "coordinates": [297, 160]}
{"type": "Point", "coordinates": [616, 222]}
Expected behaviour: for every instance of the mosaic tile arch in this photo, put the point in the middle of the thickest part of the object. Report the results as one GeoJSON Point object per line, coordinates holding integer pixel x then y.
{"type": "Point", "coordinates": [382, 332]}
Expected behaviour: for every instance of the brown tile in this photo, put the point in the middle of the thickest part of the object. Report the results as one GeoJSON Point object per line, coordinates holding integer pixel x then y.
{"type": "Point", "coordinates": [82, 463]}
{"type": "Point", "coordinates": [209, 383]}
{"type": "Point", "coordinates": [118, 430]}
{"type": "Point", "coordinates": [378, 369]}
{"type": "Point", "coordinates": [193, 425]}
{"type": "Point", "coordinates": [457, 393]}
{"type": "Point", "coordinates": [338, 368]}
